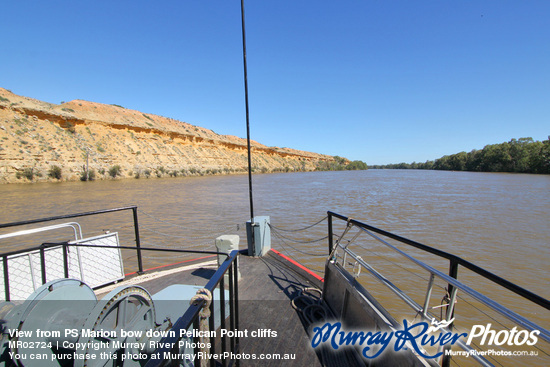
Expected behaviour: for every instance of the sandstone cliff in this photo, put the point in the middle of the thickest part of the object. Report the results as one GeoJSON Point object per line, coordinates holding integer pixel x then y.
{"type": "Point", "coordinates": [41, 141]}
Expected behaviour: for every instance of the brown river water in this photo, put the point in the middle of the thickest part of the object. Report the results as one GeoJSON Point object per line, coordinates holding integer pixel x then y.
{"type": "Point", "coordinates": [497, 221]}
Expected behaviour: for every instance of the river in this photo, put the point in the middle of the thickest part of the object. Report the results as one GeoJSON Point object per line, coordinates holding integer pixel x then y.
{"type": "Point", "coordinates": [497, 221]}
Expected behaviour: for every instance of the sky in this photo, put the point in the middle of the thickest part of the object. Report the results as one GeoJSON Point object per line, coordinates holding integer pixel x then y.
{"type": "Point", "coordinates": [378, 81]}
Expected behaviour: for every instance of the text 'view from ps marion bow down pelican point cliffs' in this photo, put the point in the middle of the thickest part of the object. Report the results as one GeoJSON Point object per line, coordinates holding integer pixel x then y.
{"type": "Point", "coordinates": [86, 140]}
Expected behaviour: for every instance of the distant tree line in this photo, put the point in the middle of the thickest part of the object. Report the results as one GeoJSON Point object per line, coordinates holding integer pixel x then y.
{"type": "Point", "coordinates": [341, 164]}
{"type": "Point", "coordinates": [523, 155]}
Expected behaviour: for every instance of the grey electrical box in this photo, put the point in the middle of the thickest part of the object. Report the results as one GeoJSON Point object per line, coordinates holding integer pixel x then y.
{"type": "Point", "coordinates": [258, 235]}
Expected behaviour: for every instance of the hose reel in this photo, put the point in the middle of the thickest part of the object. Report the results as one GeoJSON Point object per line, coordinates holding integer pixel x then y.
{"type": "Point", "coordinates": [63, 324]}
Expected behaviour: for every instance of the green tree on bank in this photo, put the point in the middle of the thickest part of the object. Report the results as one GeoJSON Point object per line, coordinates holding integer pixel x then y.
{"type": "Point", "coordinates": [523, 155]}
{"type": "Point", "coordinates": [340, 164]}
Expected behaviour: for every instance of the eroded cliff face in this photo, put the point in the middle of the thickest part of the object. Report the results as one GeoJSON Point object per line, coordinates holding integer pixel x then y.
{"type": "Point", "coordinates": [80, 137]}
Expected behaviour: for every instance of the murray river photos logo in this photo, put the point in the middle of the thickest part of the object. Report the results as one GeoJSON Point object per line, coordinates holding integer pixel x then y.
{"type": "Point", "coordinates": [417, 336]}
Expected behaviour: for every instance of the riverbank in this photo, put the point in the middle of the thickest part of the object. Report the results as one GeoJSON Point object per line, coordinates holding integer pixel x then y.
{"type": "Point", "coordinates": [81, 140]}
{"type": "Point", "coordinates": [523, 155]}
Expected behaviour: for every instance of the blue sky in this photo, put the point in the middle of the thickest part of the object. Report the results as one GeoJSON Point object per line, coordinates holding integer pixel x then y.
{"type": "Point", "coordinates": [379, 81]}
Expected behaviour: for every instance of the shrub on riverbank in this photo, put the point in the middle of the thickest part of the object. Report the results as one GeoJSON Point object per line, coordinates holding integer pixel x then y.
{"type": "Point", "coordinates": [520, 156]}
{"type": "Point", "coordinates": [55, 172]}
{"type": "Point", "coordinates": [87, 174]}
{"type": "Point", "coordinates": [27, 173]}
{"type": "Point", "coordinates": [115, 171]}
{"type": "Point", "coordinates": [341, 164]}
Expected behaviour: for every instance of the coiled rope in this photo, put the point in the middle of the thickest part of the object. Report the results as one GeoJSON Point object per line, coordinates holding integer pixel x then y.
{"type": "Point", "coordinates": [205, 295]}
{"type": "Point", "coordinates": [309, 304]}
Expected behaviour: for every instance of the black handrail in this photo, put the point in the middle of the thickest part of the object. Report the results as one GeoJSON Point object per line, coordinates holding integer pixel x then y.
{"type": "Point", "coordinates": [65, 246]}
{"type": "Point", "coordinates": [454, 260]}
{"type": "Point", "coordinates": [454, 263]}
{"type": "Point", "coordinates": [190, 316]}
{"type": "Point", "coordinates": [67, 216]}
{"type": "Point", "coordinates": [133, 208]}
{"type": "Point", "coordinates": [192, 313]}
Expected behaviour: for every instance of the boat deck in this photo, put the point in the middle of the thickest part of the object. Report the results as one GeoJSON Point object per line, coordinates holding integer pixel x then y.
{"type": "Point", "coordinates": [266, 288]}
{"type": "Point", "coordinates": [265, 293]}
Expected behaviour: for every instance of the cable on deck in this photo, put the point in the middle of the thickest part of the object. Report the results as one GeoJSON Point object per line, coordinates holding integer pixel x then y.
{"type": "Point", "coordinates": [312, 310]}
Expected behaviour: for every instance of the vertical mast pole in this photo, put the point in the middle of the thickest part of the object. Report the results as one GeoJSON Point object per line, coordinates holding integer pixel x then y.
{"type": "Point", "coordinates": [247, 117]}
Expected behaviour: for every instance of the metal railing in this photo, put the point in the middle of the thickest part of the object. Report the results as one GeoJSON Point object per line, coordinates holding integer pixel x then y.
{"type": "Point", "coordinates": [191, 319]}
{"type": "Point", "coordinates": [228, 345]}
{"type": "Point", "coordinates": [132, 208]}
{"type": "Point", "coordinates": [451, 278]}
{"type": "Point", "coordinates": [77, 229]}
{"type": "Point", "coordinates": [191, 316]}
